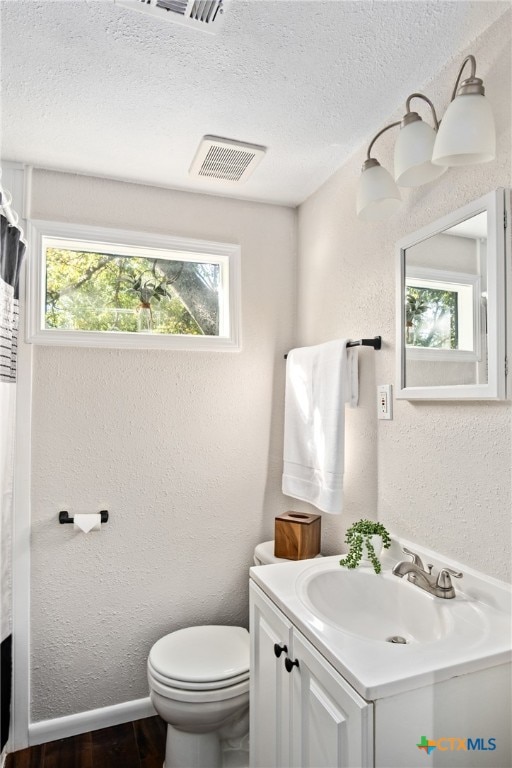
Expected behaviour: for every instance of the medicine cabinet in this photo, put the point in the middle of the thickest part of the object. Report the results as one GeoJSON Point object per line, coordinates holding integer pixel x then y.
{"type": "Point", "coordinates": [451, 305]}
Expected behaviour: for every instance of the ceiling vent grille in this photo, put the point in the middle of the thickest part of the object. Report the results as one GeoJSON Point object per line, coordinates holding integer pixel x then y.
{"type": "Point", "coordinates": [225, 160]}
{"type": "Point", "coordinates": [201, 14]}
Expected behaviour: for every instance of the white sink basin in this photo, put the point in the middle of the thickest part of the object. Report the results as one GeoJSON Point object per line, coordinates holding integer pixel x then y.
{"type": "Point", "coordinates": [351, 616]}
{"type": "Point", "coordinates": [375, 606]}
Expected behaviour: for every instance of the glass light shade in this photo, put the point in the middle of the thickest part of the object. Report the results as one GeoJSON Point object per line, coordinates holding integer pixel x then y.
{"type": "Point", "coordinates": [377, 194]}
{"type": "Point", "coordinates": [413, 155]}
{"type": "Point", "coordinates": [467, 134]}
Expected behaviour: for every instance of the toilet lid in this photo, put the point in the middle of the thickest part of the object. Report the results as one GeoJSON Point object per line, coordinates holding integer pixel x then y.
{"type": "Point", "coordinates": [202, 654]}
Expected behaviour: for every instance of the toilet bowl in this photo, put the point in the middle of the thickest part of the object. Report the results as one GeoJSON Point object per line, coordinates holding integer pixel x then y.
{"type": "Point", "coordinates": [199, 685]}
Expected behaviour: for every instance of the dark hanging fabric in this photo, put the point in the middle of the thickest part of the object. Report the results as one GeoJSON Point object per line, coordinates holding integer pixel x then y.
{"type": "Point", "coordinates": [6, 672]}
{"type": "Point", "coordinates": [12, 251]}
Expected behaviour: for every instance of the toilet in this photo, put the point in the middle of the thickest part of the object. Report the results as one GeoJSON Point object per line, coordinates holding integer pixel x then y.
{"type": "Point", "coordinates": [199, 685]}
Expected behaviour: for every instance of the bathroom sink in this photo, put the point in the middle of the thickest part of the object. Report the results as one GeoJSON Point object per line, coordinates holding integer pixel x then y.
{"type": "Point", "coordinates": [375, 606]}
{"type": "Point", "coordinates": [385, 635]}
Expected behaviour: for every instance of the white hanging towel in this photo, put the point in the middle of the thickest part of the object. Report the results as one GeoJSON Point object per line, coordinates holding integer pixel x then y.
{"type": "Point", "coordinates": [319, 381]}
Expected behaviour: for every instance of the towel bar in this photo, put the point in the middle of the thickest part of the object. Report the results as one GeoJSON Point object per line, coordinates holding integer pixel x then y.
{"type": "Point", "coordinates": [376, 343]}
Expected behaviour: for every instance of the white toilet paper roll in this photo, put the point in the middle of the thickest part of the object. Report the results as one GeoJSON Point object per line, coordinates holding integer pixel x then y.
{"type": "Point", "coordinates": [86, 523]}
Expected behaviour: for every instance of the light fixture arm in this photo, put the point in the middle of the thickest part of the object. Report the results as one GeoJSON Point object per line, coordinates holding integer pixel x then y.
{"type": "Point", "coordinates": [425, 98]}
{"type": "Point", "coordinates": [472, 84]}
{"type": "Point", "coordinates": [372, 142]}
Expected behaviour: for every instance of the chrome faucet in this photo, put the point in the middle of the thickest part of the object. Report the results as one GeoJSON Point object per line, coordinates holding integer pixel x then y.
{"type": "Point", "coordinates": [440, 586]}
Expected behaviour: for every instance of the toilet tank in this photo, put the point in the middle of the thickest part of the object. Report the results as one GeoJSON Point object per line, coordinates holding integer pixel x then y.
{"type": "Point", "coordinates": [264, 554]}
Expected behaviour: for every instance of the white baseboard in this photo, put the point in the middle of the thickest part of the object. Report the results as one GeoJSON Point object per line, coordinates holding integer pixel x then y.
{"type": "Point", "coordinates": [92, 720]}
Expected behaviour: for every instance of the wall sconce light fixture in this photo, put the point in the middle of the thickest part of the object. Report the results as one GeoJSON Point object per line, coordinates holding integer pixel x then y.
{"type": "Point", "coordinates": [465, 136]}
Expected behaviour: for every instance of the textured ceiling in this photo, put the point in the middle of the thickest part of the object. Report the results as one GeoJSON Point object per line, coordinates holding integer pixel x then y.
{"type": "Point", "coordinates": [91, 87]}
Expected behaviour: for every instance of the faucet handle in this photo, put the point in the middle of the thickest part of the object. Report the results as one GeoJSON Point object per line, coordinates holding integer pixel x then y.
{"type": "Point", "coordinates": [415, 558]}
{"type": "Point", "coordinates": [444, 577]}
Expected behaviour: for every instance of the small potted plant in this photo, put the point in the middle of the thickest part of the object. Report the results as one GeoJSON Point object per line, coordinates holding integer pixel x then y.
{"type": "Point", "coordinates": [364, 538]}
{"type": "Point", "coordinates": [147, 289]}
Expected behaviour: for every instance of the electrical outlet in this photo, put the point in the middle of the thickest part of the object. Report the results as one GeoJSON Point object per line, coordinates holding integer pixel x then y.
{"type": "Point", "coordinates": [385, 401]}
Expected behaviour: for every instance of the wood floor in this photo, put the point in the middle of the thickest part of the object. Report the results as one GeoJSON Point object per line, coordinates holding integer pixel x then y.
{"type": "Point", "coordinates": [140, 744]}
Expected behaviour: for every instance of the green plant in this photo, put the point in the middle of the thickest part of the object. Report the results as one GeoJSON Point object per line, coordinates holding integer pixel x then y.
{"type": "Point", "coordinates": [148, 288]}
{"type": "Point", "coordinates": [360, 533]}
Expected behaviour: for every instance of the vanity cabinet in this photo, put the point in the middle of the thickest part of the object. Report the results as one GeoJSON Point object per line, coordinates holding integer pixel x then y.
{"type": "Point", "coordinates": [303, 713]}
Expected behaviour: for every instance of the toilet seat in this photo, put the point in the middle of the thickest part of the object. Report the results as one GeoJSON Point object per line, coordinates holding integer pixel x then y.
{"type": "Point", "coordinates": [198, 686]}
{"type": "Point", "coordinates": [199, 695]}
{"type": "Point", "coordinates": [203, 658]}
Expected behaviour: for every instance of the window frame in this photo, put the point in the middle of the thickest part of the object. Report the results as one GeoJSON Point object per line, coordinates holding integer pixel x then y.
{"type": "Point", "coordinates": [448, 280]}
{"type": "Point", "coordinates": [227, 255]}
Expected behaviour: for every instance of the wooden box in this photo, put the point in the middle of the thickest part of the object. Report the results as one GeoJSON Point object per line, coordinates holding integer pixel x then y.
{"type": "Point", "coordinates": [297, 535]}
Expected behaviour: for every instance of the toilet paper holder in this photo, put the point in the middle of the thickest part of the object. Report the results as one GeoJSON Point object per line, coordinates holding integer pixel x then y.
{"type": "Point", "coordinates": [65, 518]}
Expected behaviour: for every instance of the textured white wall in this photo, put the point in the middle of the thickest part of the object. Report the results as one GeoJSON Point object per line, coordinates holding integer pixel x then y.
{"type": "Point", "coordinates": [183, 449]}
{"type": "Point", "coordinates": [439, 473]}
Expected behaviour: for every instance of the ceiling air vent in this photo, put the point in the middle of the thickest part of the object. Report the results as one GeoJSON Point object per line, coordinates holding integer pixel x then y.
{"type": "Point", "coordinates": [225, 160]}
{"type": "Point", "coordinates": [201, 14]}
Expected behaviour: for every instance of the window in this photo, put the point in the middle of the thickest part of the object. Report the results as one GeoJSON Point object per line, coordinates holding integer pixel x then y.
{"type": "Point", "coordinates": [442, 315]}
{"type": "Point", "coordinates": [98, 287]}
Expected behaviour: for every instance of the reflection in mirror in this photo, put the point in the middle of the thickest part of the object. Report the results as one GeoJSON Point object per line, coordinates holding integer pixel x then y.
{"type": "Point", "coordinates": [451, 305]}
{"type": "Point", "coordinates": [446, 305]}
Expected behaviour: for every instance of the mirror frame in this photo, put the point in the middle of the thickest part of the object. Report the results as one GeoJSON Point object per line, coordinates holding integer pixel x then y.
{"type": "Point", "coordinates": [495, 388]}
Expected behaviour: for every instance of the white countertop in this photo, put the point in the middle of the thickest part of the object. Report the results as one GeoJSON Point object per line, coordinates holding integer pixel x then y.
{"type": "Point", "coordinates": [481, 634]}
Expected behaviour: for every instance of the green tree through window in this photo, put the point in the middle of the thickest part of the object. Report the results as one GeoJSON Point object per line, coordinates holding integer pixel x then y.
{"type": "Point", "coordinates": [431, 317]}
{"type": "Point", "coordinates": [103, 292]}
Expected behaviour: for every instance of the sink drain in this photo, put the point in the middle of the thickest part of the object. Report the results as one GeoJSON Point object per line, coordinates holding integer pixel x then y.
{"type": "Point", "coordinates": [396, 639]}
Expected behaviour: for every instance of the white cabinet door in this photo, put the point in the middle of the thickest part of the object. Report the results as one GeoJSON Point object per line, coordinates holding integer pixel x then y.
{"type": "Point", "coordinates": [270, 713]}
{"type": "Point", "coordinates": [303, 715]}
{"type": "Point", "coordinates": [332, 724]}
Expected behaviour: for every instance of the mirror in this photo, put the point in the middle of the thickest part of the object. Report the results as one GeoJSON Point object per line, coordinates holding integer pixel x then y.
{"type": "Point", "coordinates": [451, 305]}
